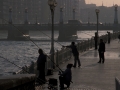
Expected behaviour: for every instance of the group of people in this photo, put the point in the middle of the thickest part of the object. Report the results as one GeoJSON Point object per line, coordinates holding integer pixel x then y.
{"type": "Point", "coordinates": [66, 76]}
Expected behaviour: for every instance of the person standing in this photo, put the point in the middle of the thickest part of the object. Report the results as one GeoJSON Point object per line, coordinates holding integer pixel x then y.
{"type": "Point", "coordinates": [75, 54]}
{"type": "Point", "coordinates": [101, 51]}
{"type": "Point", "coordinates": [41, 66]}
{"type": "Point", "coordinates": [108, 37]}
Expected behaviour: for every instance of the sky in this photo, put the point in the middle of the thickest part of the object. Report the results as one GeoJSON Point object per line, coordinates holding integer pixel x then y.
{"type": "Point", "coordinates": [105, 2]}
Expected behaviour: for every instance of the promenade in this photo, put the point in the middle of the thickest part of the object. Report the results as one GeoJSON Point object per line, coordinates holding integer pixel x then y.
{"type": "Point", "coordinates": [92, 75]}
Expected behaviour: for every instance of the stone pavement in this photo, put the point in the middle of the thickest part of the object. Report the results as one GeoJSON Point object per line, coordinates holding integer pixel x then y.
{"type": "Point", "coordinates": [92, 75]}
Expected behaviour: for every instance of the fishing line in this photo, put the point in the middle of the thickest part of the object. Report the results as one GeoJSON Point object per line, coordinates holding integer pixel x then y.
{"type": "Point", "coordinates": [19, 67]}
{"type": "Point", "coordinates": [86, 33]}
{"type": "Point", "coordinates": [35, 45]}
{"type": "Point", "coordinates": [49, 36]}
{"type": "Point", "coordinates": [14, 64]}
{"type": "Point", "coordinates": [30, 40]}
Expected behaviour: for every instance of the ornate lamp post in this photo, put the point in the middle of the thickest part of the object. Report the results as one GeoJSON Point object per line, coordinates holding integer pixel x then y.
{"type": "Point", "coordinates": [10, 15]}
{"type": "Point", "coordinates": [88, 18]}
{"type": "Point", "coordinates": [96, 34]}
{"type": "Point", "coordinates": [116, 17]}
{"type": "Point", "coordinates": [61, 15]}
{"type": "Point", "coordinates": [36, 19]}
{"type": "Point", "coordinates": [26, 16]}
{"type": "Point", "coordinates": [73, 13]}
{"type": "Point", "coordinates": [52, 4]}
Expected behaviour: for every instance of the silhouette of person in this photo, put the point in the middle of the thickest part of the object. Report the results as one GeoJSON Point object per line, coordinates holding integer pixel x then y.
{"type": "Point", "coordinates": [66, 77]}
{"type": "Point", "coordinates": [41, 66]}
{"type": "Point", "coordinates": [101, 51]}
{"type": "Point", "coordinates": [108, 37]}
{"type": "Point", "coordinates": [119, 38]}
{"type": "Point", "coordinates": [75, 54]}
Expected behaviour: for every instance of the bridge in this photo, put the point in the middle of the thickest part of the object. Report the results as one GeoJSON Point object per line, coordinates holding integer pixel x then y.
{"type": "Point", "coordinates": [37, 27]}
{"type": "Point", "coordinates": [66, 31]}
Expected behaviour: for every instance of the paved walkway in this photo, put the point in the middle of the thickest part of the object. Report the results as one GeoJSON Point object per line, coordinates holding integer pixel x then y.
{"type": "Point", "coordinates": [92, 75]}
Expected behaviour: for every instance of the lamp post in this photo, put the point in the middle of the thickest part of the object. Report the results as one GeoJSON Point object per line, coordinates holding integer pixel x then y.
{"type": "Point", "coordinates": [61, 15]}
{"type": "Point", "coordinates": [116, 17]}
{"type": "Point", "coordinates": [96, 34]}
{"type": "Point", "coordinates": [26, 16]}
{"type": "Point", "coordinates": [36, 19]}
{"type": "Point", "coordinates": [88, 18]}
{"type": "Point", "coordinates": [73, 13]}
{"type": "Point", "coordinates": [10, 16]}
{"type": "Point", "coordinates": [52, 4]}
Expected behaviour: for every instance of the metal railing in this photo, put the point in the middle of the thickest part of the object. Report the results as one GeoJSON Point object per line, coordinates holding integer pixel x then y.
{"type": "Point", "coordinates": [65, 54]}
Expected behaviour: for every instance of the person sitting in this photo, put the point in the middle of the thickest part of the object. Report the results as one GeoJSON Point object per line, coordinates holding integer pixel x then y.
{"type": "Point", "coordinates": [66, 77]}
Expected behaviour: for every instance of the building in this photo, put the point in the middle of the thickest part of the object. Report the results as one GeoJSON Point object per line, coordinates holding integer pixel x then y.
{"type": "Point", "coordinates": [106, 14]}
{"type": "Point", "coordinates": [18, 10]}
{"type": "Point", "coordinates": [39, 10]}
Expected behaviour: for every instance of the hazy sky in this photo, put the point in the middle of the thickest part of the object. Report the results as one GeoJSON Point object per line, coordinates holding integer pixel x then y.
{"type": "Point", "coordinates": [105, 2]}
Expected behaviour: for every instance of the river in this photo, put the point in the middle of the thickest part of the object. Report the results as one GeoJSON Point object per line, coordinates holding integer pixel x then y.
{"type": "Point", "coordinates": [21, 53]}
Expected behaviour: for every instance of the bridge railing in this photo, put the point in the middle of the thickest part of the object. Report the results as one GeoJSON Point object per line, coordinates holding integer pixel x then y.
{"type": "Point", "coordinates": [65, 54]}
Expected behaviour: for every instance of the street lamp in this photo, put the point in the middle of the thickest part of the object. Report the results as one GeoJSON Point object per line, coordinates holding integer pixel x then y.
{"type": "Point", "coordinates": [36, 18]}
{"type": "Point", "coordinates": [116, 17]}
{"type": "Point", "coordinates": [96, 34]}
{"type": "Point", "coordinates": [88, 18]}
{"type": "Point", "coordinates": [26, 16]}
{"type": "Point", "coordinates": [52, 4]}
{"type": "Point", "coordinates": [10, 16]}
{"type": "Point", "coordinates": [73, 13]}
{"type": "Point", "coordinates": [61, 15]}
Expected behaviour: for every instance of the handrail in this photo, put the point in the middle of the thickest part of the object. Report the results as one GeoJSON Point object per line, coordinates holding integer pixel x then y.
{"type": "Point", "coordinates": [65, 54]}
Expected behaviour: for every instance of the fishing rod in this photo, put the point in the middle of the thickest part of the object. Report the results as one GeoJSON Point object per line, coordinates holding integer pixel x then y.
{"type": "Point", "coordinates": [35, 44]}
{"type": "Point", "coordinates": [38, 47]}
{"type": "Point", "coordinates": [14, 64]}
{"type": "Point", "coordinates": [86, 33]}
{"type": "Point", "coordinates": [21, 68]}
{"type": "Point", "coordinates": [49, 37]}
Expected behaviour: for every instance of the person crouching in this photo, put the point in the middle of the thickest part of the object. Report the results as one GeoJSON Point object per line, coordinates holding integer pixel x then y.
{"type": "Point", "coordinates": [66, 77]}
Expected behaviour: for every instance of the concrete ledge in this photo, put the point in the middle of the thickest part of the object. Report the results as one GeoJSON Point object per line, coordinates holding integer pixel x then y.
{"type": "Point", "coordinates": [12, 81]}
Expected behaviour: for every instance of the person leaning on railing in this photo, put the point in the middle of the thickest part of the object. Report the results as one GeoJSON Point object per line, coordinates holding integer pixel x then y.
{"type": "Point", "coordinates": [75, 54]}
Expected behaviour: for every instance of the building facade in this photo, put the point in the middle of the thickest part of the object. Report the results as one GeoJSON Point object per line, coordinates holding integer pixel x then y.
{"type": "Point", "coordinates": [39, 10]}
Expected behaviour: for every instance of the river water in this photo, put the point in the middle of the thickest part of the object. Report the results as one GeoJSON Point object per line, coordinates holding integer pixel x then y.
{"type": "Point", "coordinates": [21, 53]}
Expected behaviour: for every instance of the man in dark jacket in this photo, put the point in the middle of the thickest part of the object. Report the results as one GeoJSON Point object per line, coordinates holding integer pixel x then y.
{"type": "Point", "coordinates": [75, 54]}
{"type": "Point", "coordinates": [101, 51]}
{"type": "Point", "coordinates": [41, 66]}
{"type": "Point", "coordinates": [66, 77]}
